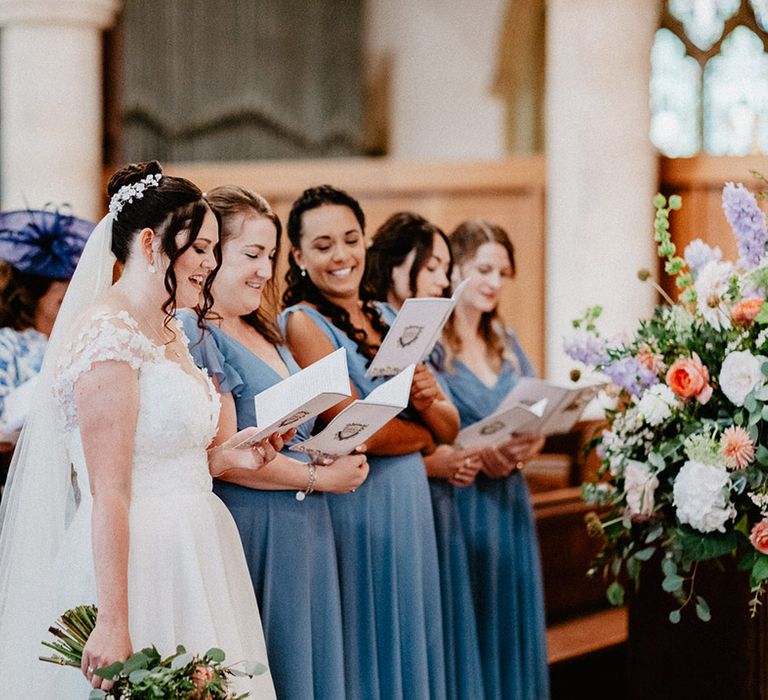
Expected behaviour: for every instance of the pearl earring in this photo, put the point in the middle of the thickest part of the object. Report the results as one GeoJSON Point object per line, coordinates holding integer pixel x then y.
{"type": "Point", "coordinates": [303, 272]}
{"type": "Point", "coordinates": [151, 268]}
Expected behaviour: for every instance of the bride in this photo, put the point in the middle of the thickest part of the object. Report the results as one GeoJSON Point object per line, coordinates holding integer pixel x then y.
{"type": "Point", "coordinates": [109, 499]}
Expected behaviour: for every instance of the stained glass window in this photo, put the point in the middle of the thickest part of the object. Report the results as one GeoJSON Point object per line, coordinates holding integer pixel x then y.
{"type": "Point", "coordinates": [709, 78]}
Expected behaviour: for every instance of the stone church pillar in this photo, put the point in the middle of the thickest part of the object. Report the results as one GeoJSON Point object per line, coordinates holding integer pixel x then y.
{"type": "Point", "coordinates": [602, 169]}
{"type": "Point", "coordinates": [51, 102]}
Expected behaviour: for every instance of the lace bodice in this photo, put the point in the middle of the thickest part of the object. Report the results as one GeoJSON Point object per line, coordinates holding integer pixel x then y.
{"type": "Point", "coordinates": [178, 411]}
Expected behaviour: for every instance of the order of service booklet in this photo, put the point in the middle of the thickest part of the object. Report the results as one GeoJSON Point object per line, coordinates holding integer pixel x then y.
{"type": "Point", "coordinates": [564, 406]}
{"type": "Point", "coordinates": [301, 397]}
{"type": "Point", "coordinates": [413, 333]}
{"type": "Point", "coordinates": [361, 419]}
{"type": "Point", "coordinates": [497, 427]}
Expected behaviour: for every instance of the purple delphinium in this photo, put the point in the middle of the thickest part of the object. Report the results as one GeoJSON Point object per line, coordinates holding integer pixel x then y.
{"type": "Point", "coordinates": [748, 223]}
{"type": "Point", "coordinates": [586, 347]}
{"type": "Point", "coordinates": [631, 374]}
{"type": "Point", "coordinates": [697, 254]}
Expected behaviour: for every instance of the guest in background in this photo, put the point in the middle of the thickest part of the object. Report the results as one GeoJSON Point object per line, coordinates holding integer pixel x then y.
{"type": "Point", "coordinates": [288, 543]}
{"type": "Point", "coordinates": [410, 257]}
{"type": "Point", "coordinates": [385, 535]}
{"type": "Point", "coordinates": [484, 361]}
{"type": "Point", "coordinates": [39, 250]}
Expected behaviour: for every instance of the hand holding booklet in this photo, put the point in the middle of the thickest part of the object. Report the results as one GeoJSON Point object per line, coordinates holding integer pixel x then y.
{"type": "Point", "coordinates": [301, 397]}
{"type": "Point", "coordinates": [361, 419]}
{"type": "Point", "coordinates": [412, 334]}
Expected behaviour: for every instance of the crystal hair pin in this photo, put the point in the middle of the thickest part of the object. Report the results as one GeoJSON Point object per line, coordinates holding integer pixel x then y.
{"type": "Point", "coordinates": [135, 190]}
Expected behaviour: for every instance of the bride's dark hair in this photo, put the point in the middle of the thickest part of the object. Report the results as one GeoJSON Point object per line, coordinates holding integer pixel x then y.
{"type": "Point", "coordinates": [175, 205]}
{"type": "Point", "coordinates": [300, 287]}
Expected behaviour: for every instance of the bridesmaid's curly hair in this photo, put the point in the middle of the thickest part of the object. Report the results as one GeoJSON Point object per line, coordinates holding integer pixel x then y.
{"type": "Point", "coordinates": [301, 288]}
{"type": "Point", "coordinates": [20, 293]}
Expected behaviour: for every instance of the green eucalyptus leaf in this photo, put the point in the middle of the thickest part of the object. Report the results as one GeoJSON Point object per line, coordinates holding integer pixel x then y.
{"type": "Point", "coordinates": [181, 661]}
{"type": "Point", "coordinates": [672, 583]}
{"type": "Point", "coordinates": [109, 672]}
{"type": "Point", "coordinates": [669, 567]}
{"type": "Point", "coordinates": [138, 675]}
{"type": "Point", "coordinates": [750, 402]}
{"type": "Point", "coordinates": [656, 460]}
{"type": "Point", "coordinates": [97, 695]}
{"type": "Point", "coordinates": [215, 655]}
{"type": "Point", "coordinates": [645, 554]}
{"type": "Point", "coordinates": [633, 568]}
{"type": "Point", "coordinates": [256, 669]}
{"type": "Point", "coordinates": [702, 610]}
{"type": "Point", "coordinates": [136, 662]}
{"type": "Point", "coordinates": [615, 593]}
{"type": "Point", "coordinates": [699, 546]}
{"type": "Point", "coordinates": [674, 617]}
{"type": "Point", "coordinates": [656, 532]}
{"type": "Point", "coordinates": [761, 455]}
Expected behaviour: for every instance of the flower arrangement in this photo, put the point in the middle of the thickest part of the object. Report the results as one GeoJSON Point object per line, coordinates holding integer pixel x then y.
{"type": "Point", "coordinates": [684, 459]}
{"type": "Point", "coordinates": [145, 675]}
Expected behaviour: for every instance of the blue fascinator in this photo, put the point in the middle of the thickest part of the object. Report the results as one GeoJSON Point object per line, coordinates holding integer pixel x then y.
{"type": "Point", "coordinates": [44, 242]}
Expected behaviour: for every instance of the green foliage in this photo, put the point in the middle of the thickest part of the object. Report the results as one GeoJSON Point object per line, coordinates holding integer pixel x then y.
{"type": "Point", "coordinates": [145, 675]}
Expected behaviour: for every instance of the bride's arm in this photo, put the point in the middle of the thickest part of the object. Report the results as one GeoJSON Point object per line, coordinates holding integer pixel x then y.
{"type": "Point", "coordinates": [107, 401]}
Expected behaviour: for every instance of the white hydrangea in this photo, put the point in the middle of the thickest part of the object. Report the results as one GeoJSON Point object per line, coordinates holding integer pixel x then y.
{"type": "Point", "coordinates": [739, 374]}
{"type": "Point", "coordinates": [701, 496]}
{"type": "Point", "coordinates": [711, 286]}
{"type": "Point", "coordinates": [640, 484]}
{"type": "Point", "coordinates": [656, 404]}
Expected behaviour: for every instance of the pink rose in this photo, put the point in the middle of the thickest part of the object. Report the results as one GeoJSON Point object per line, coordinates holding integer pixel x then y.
{"type": "Point", "coordinates": [200, 676]}
{"type": "Point", "coordinates": [743, 313]}
{"type": "Point", "coordinates": [759, 536]}
{"type": "Point", "coordinates": [689, 378]}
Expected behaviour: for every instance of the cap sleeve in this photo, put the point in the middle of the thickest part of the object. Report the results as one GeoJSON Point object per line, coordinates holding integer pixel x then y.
{"type": "Point", "coordinates": [108, 336]}
{"type": "Point", "coordinates": [207, 354]}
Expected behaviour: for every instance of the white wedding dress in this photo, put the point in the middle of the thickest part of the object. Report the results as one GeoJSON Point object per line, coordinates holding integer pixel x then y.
{"type": "Point", "coordinates": [188, 581]}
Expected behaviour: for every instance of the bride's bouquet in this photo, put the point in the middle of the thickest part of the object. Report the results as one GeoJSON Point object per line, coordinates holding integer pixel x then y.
{"type": "Point", "coordinates": [685, 454]}
{"type": "Point", "coordinates": [145, 675]}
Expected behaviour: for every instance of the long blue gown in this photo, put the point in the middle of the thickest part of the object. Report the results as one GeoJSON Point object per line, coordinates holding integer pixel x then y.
{"type": "Point", "coordinates": [388, 566]}
{"type": "Point", "coordinates": [289, 544]}
{"type": "Point", "coordinates": [500, 534]}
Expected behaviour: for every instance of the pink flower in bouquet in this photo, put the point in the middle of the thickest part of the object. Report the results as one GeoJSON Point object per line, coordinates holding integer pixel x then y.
{"type": "Point", "coordinates": [737, 447]}
{"type": "Point", "coordinates": [650, 359]}
{"type": "Point", "coordinates": [689, 379]}
{"type": "Point", "coordinates": [759, 536]}
{"type": "Point", "coordinates": [743, 313]}
{"type": "Point", "coordinates": [200, 676]}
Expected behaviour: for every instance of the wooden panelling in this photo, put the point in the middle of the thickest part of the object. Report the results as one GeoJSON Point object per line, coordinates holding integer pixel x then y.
{"type": "Point", "coordinates": [508, 192]}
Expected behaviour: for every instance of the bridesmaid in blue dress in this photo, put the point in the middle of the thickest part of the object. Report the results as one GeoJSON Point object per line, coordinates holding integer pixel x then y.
{"type": "Point", "coordinates": [288, 543]}
{"type": "Point", "coordinates": [484, 361]}
{"type": "Point", "coordinates": [410, 257]}
{"type": "Point", "coordinates": [385, 536]}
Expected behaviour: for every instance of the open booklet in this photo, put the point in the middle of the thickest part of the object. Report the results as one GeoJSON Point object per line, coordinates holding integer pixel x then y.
{"type": "Point", "coordinates": [565, 404]}
{"type": "Point", "coordinates": [497, 427]}
{"type": "Point", "coordinates": [361, 419]}
{"type": "Point", "coordinates": [532, 406]}
{"type": "Point", "coordinates": [413, 333]}
{"type": "Point", "coordinates": [301, 397]}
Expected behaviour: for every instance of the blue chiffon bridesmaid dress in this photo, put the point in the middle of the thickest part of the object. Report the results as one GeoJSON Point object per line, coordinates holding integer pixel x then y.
{"type": "Point", "coordinates": [289, 544]}
{"type": "Point", "coordinates": [503, 553]}
{"type": "Point", "coordinates": [388, 565]}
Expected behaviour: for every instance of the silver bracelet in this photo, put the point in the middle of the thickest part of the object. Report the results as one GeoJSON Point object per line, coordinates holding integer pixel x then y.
{"type": "Point", "coordinates": [311, 478]}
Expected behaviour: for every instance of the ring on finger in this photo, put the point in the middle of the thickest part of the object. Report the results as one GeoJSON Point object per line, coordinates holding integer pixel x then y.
{"type": "Point", "coordinates": [90, 669]}
{"type": "Point", "coordinates": [467, 462]}
{"type": "Point", "coordinates": [519, 465]}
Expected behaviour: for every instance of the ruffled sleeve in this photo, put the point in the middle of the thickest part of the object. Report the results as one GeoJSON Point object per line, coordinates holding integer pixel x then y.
{"type": "Point", "coordinates": [207, 354]}
{"type": "Point", "coordinates": [106, 337]}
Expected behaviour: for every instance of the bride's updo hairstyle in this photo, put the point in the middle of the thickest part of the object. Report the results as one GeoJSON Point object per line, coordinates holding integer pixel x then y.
{"type": "Point", "coordinates": [299, 287]}
{"type": "Point", "coordinates": [174, 206]}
